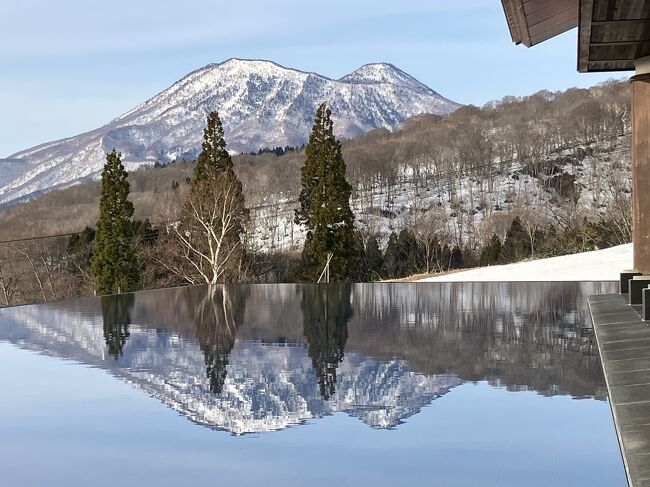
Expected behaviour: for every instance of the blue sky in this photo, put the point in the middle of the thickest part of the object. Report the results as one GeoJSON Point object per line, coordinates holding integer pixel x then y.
{"type": "Point", "coordinates": [70, 66]}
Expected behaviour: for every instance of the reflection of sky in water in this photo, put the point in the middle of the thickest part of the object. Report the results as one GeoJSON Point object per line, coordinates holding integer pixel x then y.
{"type": "Point", "coordinates": [413, 400]}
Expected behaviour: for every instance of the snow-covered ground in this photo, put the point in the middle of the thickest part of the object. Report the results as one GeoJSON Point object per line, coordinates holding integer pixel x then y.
{"type": "Point", "coordinates": [600, 265]}
{"type": "Point", "coordinates": [463, 207]}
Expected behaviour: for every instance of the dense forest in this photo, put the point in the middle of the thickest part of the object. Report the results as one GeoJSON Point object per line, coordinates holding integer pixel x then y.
{"type": "Point", "coordinates": [519, 177]}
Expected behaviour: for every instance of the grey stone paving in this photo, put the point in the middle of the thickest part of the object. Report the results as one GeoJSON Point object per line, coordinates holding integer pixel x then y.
{"type": "Point", "coordinates": [624, 346]}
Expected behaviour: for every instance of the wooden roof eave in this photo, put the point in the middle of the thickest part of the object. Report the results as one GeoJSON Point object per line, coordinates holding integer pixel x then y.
{"type": "Point", "coordinates": [516, 18]}
{"type": "Point", "coordinates": [532, 22]}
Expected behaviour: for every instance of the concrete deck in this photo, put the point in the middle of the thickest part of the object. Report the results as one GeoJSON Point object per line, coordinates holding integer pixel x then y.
{"type": "Point", "coordinates": [624, 346]}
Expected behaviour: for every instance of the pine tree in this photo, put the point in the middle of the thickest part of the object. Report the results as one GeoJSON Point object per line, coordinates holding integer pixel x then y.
{"type": "Point", "coordinates": [554, 243]}
{"type": "Point", "coordinates": [445, 257]}
{"type": "Point", "coordinates": [325, 205]}
{"type": "Point", "coordinates": [80, 250]}
{"type": "Point", "coordinates": [215, 212]}
{"type": "Point", "coordinates": [214, 158]}
{"type": "Point", "coordinates": [491, 251]}
{"type": "Point", "coordinates": [114, 262]}
{"type": "Point", "coordinates": [390, 267]}
{"type": "Point", "coordinates": [456, 260]}
{"type": "Point", "coordinates": [470, 258]}
{"type": "Point", "coordinates": [409, 255]}
{"type": "Point", "coordinates": [374, 259]}
{"type": "Point", "coordinates": [361, 273]}
{"type": "Point", "coordinates": [516, 246]}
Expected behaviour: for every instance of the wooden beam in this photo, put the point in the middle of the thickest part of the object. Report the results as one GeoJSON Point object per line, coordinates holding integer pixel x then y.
{"type": "Point", "coordinates": [618, 60]}
{"type": "Point", "coordinates": [566, 18]}
{"type": "Point", "coordinates": [618, 43]}
{"type": "Point", "coordinates": [554, 30]}
{"type": "Point", "coordinates": [610, 66]}
{"type": "Point", "coordinates": [585, 17]}
{"type": "Point", "coordinates": [516, 17]}
{"type": "Point", "coordinates": [564, 10]}
{"type": "Point", "coordinates": [619, 21]}
{"type": "Point", "coordinates": [641, 171]}
{"type": "Point", "coordinates": [536, 6]}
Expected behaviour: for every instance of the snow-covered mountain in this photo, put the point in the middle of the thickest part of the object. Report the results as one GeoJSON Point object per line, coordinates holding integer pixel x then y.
{"type": "Point", "coordinates": [262, 104]}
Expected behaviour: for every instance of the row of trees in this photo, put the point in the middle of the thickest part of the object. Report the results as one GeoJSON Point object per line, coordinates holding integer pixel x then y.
{"type": "Point", "coordinates": [206, 243]}
{"type": "Point", "coordinates": [438, 182]}
{"type": "Point", "coordinates": [203, 245]}
{"type": "Point", "coordinates": [428, 156]}
{"type": "Point", "coordinates": [408, 253]}
{"type": "Point", "coordinates": [59, 269]}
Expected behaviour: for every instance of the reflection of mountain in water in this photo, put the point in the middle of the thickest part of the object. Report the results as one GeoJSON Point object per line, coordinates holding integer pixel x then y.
{"type": "Point", "coordinates": [261, 358]}
{"type": "Point", "coordinates": [524, 336]}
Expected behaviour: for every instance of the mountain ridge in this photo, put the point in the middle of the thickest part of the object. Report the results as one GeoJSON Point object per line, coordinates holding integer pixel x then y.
{"type": "Point", "coordinates": [262, 103]}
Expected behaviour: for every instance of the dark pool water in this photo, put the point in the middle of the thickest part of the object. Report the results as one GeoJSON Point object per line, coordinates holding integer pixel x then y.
{"type": "Point", "coordinates": [493, 384]}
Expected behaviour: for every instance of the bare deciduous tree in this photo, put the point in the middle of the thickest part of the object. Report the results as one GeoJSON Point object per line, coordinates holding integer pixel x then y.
{"type": "Point", "coordinates": [9, 282]}
{"type": "Point", "coordinates": [207, 240]}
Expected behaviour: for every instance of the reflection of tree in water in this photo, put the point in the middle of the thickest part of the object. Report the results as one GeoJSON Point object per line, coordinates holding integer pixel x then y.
{"type": "Point", "coordinates": [116, 313]}
{"type": "Point", "coordinates": [523, 336]}
{"type": "Point", "coordinates": [218, 313]}
{"type": "Point", "coordinates": [326, 312]}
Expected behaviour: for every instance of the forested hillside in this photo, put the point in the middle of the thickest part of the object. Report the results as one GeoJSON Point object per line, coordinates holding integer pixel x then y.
{"type": "Point", "coordinates": [557, 164]}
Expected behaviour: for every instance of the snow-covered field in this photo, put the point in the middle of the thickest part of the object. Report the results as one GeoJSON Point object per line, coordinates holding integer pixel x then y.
{"type": "Point", "coordinates": [600, 265]}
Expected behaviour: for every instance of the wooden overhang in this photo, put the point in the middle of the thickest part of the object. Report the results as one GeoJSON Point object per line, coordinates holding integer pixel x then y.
{"type": "Point", "coordinates": [534, 21]}
{"type": "Point", "coordinates": [612, 34]}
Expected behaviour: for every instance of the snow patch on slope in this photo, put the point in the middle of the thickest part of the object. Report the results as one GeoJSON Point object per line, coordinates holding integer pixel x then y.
{"type": "Point", "coordinates": [599, 265]}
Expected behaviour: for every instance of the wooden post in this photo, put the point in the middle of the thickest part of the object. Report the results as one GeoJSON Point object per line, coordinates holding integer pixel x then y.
{"type": "Point", "coordinates": [326, 270]}
{"type": "Point", "coordinates": [641, 171]}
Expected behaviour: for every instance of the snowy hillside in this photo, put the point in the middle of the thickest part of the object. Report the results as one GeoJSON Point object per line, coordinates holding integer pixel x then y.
{"type": "Point", "coordinates": [261, 103]}
{"type": "Point", "coordinates": [599, 265]}
{"type": "Point", "coordinates": [462, 206]}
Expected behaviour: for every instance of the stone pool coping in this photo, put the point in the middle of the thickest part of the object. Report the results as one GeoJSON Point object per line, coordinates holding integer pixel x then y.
{"type": "Point", "coordinates": [624, 346]}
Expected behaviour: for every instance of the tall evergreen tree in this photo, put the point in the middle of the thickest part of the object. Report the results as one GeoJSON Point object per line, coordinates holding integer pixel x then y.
{"type": "Point", "coordinates": [374, 258]}
{"type": "Point", "coordinates": [445, 257]}
{"type": "Point", "coordinates": [360, 273]}
{"type": "Point", "coordinates": [114, 261]}
{"type": "Point", "coordinates": [80, 249]}
{"type": "Point", "coordinates": [391, 260]}
{"type": "Point", "coordinates": [214, 158]}
{"type": "Point", "coordinates": [325, 205]}
{"type": "Point", "coordinates": [491, 251]}
{"type": "Point", "coordinates": [215, 213]}
{"type": "Point", "coordinates": [456, 260]}
{"type": "Point", "coordinates": [409, 254]}
{"type": "Point", "coordinates": [516, 246]}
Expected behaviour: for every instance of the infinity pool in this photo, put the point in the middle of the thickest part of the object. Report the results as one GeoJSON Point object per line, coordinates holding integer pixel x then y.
{"type": "Point", "coordinates": [492, 384]}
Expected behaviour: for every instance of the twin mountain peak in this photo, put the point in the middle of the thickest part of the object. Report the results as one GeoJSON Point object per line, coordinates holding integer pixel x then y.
{"type": "Point", "coordinates": [261, 103]}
